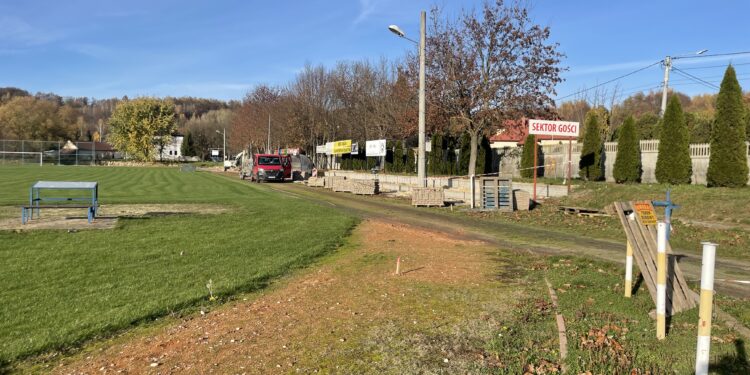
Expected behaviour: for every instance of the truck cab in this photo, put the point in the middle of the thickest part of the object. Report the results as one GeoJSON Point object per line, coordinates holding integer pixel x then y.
{"type": "Point", "coordinates": [271, 167]}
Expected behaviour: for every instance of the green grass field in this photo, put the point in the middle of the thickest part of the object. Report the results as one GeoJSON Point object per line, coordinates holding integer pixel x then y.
{"type": "Point", "coordinates": [60, 289]}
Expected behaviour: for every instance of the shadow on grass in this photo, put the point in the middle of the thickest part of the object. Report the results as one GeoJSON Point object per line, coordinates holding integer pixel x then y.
{"type": "Point", "coordinates": [733, 364]}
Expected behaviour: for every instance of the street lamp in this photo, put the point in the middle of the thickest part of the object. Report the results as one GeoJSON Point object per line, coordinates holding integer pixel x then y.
{"type": "Point", "coordinates": [421, 175]}
{"type": "Point", "coordinates": [667, 68]}
{"type": "Point", "coordinates": [225, 142]}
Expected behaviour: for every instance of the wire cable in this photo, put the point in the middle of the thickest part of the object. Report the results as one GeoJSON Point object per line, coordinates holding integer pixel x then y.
{"type": "Point", "coordinates": [712, 55]}
{"type": "Point", "coordinates": [686, 74]}
{"type": "Point", "coordinates": [610, 81]}
{"type": "Point", "coordinates": [714, 66]}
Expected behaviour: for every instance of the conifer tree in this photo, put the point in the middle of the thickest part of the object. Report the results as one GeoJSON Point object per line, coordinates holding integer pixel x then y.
{"type": "Point", "coordinates": [398, 158]}
{"type": "Point", "coordinates": [628, 160]}
{"type": "Point", "coordinates": [436, 155]}
{"type": "Point", "coordinates": [590, 164]}
{"type": "Point", "coordinates": [728, 162]}
{"type": "Point", "coordinates": [464, 154]}
{"type": "Point", "coordinates": [484, 156]}
{"type": "Point", "coordinates": [410, 165]}
{"type": "Point", "coordinates": [673, 165]}
{"type": "Point", "coordinates": [188, 145]}
{"type": "Point", "coordinates": [527, 157]}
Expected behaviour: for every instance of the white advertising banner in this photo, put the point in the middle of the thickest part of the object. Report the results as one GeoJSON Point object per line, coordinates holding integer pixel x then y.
{"type": "Point", "coordinates": [555, 128]}
{"type": "Point", "coordinates": [375, 148]}
{"type": "Point", "coordinates": [320, 149]}
{"type": "Point", "coordinates": [355, 148]}
{"type": "Point", "coordinates": [329, 148]}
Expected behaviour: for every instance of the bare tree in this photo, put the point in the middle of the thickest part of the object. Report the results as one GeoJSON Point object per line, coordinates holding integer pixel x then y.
{"type": "Point", "coordinates": [492, 67]}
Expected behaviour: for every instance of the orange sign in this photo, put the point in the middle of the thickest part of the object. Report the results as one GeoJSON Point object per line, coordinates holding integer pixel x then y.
{"type": "Point", "coordinates": [646, 212]}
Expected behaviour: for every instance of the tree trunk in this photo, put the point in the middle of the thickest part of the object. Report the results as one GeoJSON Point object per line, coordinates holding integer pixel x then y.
{"type": "Point", "coordinates": [473, 154]}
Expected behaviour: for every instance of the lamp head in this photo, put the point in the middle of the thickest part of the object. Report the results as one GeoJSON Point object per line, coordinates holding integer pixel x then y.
{"type": "Point", "coordinates": [396, 30]}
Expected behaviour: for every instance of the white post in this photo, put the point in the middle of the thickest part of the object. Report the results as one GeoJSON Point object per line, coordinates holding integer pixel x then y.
{"type": "Point", "coordinates": [41, 154]}
{"type": "Point", "coordinates": [629, 270]}
{"type": "Point", "coordinates": [661, 281]}
{"type": "Point", "coordinates": [471, 181]}
{"type": "Point", "coordinates": [706, 301]}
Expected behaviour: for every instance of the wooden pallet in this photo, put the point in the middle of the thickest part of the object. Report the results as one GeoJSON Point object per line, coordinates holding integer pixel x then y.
{"type": "Point", "coordinates": [581, 211]}
{"type": "Point", "coordinates": [642, 238]}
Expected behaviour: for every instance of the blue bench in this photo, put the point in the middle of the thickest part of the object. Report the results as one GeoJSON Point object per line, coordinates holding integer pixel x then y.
{"type": "Point", "coordinates": [36, 198]}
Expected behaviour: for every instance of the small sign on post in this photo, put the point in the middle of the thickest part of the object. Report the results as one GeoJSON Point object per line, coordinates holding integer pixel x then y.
{"type": "Point", "coordinates": [646, 212]}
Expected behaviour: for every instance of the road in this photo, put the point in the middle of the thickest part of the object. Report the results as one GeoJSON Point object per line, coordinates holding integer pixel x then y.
{"type": "Point", "coordinates": [509, 235]}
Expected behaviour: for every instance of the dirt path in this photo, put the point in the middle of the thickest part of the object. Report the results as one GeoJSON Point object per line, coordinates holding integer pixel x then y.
{"type": "Point", "coordinates": [350, 315]}
{"type": "Point", "coordinates": [512, 236]}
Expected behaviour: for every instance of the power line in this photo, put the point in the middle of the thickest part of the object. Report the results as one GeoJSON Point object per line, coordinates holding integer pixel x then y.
{"type": "Point", "coordinates": [688, 75]}
{"type": "Point", "coordinates": [714, 66]}
{"type": "Point", "coordinates": [610, 81]}
{"type": "Point", "coordinates": [712, 55]}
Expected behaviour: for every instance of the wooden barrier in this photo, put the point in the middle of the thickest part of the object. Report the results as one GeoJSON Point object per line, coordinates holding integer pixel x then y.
{"type": "Point", "coordinates": [642, 238]}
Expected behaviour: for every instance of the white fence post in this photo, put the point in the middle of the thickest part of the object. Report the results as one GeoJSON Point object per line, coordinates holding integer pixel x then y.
{"type": "Point", "coordinates": [706, 301]}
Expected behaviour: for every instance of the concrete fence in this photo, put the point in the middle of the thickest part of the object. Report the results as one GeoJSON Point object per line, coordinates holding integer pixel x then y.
{"type": "Point", "coordinates": [555, 160]}
{"type": "Point", "coordinates": [456, 188]}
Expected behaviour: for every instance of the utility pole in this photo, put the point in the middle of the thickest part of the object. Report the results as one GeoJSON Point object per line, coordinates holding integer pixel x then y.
{"type": "Point", "coordinates": [268, 144]}
{"type": "Point", "coordinates": [667, 68]}
{"type": "Point", "coordinates": [421, 162]}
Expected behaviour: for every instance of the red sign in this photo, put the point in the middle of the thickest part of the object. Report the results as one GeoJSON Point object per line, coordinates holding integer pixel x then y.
{"type": "Point", "coordinates": [549, 127]}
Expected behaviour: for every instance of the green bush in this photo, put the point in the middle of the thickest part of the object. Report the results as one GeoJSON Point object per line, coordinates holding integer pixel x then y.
{"type": "Point", "coordinates": [398, 158]}
{"type": "Point", "coordinates": [464, 154]}
{"type": "Point", "coordinates": [628, 161]}
{"type": "Point", "coordinates": [484, 156]}
{"type": "Point", "coordinates": [728, 162]}
{"type": "Point", "coordinates": [527, 157]}
{"type": "Point", "coordinates": [435, 156]}
{"type": "Point", "coordinates": [590, 167]}
{"type": "Point", "coordinates": [673, 165]}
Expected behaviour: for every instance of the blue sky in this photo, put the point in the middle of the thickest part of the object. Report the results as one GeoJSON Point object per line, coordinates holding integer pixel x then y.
{"type": "Point", "coordinates": [221, 49]}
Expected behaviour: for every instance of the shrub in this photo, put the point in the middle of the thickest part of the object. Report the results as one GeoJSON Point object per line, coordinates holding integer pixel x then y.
{"type": "Point", "coordinates": [673, 165]}
{"type": "Point", "coordinates": [590, 164]}
{"type": "Point", "coordinates": [728, 162]}
{"type": "Point", "coordinates": [628, 160]}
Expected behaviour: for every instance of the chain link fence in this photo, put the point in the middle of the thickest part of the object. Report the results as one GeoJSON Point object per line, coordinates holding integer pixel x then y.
{"type": "Point", "coordinates": [56, 153]}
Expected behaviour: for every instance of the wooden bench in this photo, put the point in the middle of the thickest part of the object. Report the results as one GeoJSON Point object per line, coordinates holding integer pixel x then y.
{"type": "Point", "coordinates": [26, 210]}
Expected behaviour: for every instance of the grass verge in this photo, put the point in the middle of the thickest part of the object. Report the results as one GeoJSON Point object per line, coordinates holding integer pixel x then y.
{"type": "Point", "coordinates": [61, 289]}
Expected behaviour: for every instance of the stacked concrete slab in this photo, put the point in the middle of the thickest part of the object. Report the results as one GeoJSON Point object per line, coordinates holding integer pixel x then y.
{"type": "Point", "coordinates": [428, 197]}
{"type": "Point", "coordinates": [364, 187]}
{"type": "Point", "coordinates": [316, 182]}
{"type": "Point", "coordinates": [338, 183]}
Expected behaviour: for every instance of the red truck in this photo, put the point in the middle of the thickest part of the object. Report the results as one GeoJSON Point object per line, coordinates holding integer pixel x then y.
{"type": "Point", "coordinates": [268, 167]}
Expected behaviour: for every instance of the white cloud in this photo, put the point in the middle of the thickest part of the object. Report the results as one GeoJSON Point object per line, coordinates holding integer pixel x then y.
{"type": "Point", "coordinates": [17, 31]}
{"type": "Point", "coordinates": [366, 7]}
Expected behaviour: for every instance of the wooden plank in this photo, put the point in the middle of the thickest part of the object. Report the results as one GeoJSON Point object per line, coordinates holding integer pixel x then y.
{"type": "Point", "coordinates": [643, 239]}
{"type": "Point", "coordinates": [645, 260]}
{"type": "Point", "coordinates": [649, 235]}
{"type": "Point", "coordinates": [676, 281]}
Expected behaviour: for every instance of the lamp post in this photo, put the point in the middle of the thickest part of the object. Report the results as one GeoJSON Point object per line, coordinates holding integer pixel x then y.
{"type": "Point", "coordinates": [667, 68]}
{"type": "Point", "coordinates": [421, 162]}
{"type": "Point", "coordinates": [225, 142]}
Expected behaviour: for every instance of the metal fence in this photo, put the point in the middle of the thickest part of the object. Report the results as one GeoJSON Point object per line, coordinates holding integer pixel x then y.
{"type": "Point", "coordinates": [57, 153]}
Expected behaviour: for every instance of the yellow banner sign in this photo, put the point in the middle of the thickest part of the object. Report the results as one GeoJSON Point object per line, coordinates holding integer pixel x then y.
{"type": "Point", "coordinates": [646, 212]}
{"type": "Point", "coordinates": [342, 147]}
